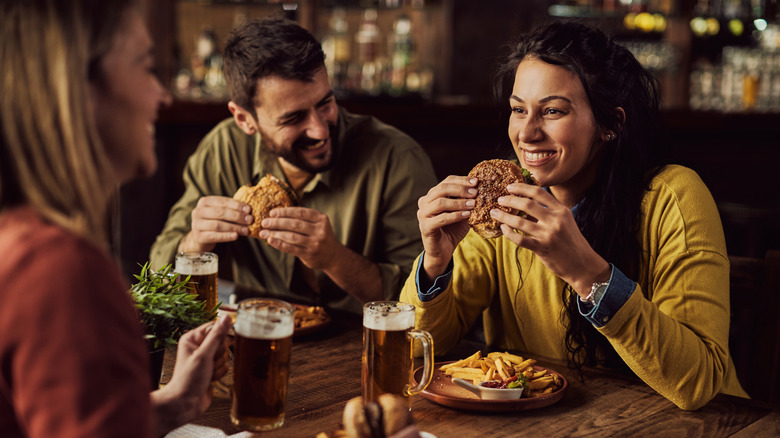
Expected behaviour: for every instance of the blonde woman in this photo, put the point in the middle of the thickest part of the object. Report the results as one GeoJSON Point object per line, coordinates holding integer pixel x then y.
{"type": "Point", "coordinates": [79, 102]}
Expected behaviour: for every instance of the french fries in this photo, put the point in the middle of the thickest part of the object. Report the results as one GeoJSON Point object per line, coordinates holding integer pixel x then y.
{"type": "Point", "coordinates": [504, 366]}
{"type": "Point", "coordinates": [306, 316]}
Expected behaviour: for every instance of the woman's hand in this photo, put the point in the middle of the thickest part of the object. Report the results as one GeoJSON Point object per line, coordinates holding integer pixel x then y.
{"type": "Point", "coordinates": [551, 233]}
{"type": "Point", "coordinates": [442, 214]}
{"type": "Point", "coordinates": [201, 358]}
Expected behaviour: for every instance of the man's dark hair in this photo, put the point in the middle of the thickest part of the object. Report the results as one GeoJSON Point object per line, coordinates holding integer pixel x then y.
{"type": "Point", "coordinates": [270, 47]}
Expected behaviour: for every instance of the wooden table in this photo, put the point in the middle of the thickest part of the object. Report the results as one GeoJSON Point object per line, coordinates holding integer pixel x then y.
{"type": "Point", "coordinates": [325, 374]}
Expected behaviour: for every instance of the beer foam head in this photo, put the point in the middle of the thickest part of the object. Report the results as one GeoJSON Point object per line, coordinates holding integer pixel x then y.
{"type": "Point", "coordinates": [264, 319]}
{"type": "Point", "coordinates": [388, 315]}
{"type": "Point", "coordinates": [196, 263]}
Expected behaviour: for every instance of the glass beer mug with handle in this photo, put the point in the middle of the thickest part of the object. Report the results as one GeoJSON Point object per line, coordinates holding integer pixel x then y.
{"type": "Point", "coordinates": [388, 347]}
{"type": "Point", "coordinates": [261, 363]}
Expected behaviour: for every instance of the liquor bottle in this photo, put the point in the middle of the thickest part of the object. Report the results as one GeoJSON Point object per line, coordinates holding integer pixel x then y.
{"type": "Point", "coordinates": [336, 46]}
{"type": "Point", "coordinates": [368, 38]}
{"type": "Point", "coordinates": [402, 50]}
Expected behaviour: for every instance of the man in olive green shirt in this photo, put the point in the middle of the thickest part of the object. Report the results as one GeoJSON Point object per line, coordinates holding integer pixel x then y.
{"type": "Point", "coordinates": [354, 236]}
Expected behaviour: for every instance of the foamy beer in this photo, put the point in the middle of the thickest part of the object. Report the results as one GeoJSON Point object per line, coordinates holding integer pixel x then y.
{"type": "Point", "coordinates": [202, 268]}
{"type": "Point", "coordinates": [261, 363]}
{"type": "Point", "coordinates": [388, 336]}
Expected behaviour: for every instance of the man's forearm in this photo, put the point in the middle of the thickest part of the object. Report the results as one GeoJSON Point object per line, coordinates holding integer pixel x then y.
{"type": "Point", "coordinates": [357, 275]}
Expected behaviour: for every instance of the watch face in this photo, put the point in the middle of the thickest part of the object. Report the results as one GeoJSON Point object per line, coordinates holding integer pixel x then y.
{"type": "Point", "coordinates": [598, 291]}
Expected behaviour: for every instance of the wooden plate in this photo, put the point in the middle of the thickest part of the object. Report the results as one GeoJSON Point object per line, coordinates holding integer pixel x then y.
{"type": "Point", "coordinates": [442, 391]}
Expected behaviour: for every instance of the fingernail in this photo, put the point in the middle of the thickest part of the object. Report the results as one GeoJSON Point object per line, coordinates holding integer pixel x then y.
{"type": "Point", "coordinates": [472, 191]}
{"type": "Point", "coordinates": [465, 213]}
{"type": "Point", "coordinates": [473, 181]}
{"type": "Point", "coordinates": [244, 231]}
{"type": "Point", "coordinates": [471, 203]}
{"type": "Point", "coordinates": [246, 209]}
{"type": "Point", "coordinates": [263, 234]}
{"type": "Point", "coordinates": [248, 218]}
{"type": "Point", "coordinates": [501, 199]}
{"type": "Point", "coordinates": [494, 213]}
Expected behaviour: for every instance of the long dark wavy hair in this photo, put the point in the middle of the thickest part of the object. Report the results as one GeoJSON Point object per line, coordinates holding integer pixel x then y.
{"type": "Point", "coordinates": [608, 215]}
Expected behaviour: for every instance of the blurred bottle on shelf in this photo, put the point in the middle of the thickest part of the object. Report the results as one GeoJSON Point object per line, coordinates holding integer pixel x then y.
{"type": "Point", "coordinates": [337, 47]}
{"type": "Point", "coordinates": [402, 51]}
{"type": "Point", "coordinates": [746, 80]}
{"type": "Point", "coordinates": [751, 80]}
{"type": "Point", "coordinates": [656, 56]}
{"type": "Point", "coordinates": [745, 74]}
{"type": "Point", "coordinates": [380, 48]}
{"type": "Point", "coordinates": [204, 78]}
{"type": "Point", "coordinates": [368, 38]}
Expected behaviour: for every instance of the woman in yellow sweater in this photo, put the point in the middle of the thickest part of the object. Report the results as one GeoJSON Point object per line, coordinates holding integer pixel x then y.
{"type": "Point", "coordinates": [621, 261]}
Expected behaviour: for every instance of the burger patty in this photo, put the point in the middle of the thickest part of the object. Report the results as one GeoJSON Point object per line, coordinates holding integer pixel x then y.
{"type": "Point", "coordinates": [494, 176]}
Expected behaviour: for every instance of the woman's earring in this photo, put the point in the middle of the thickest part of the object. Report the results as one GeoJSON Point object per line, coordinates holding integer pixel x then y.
{"type": "Point", "coordinates": [611, 136]}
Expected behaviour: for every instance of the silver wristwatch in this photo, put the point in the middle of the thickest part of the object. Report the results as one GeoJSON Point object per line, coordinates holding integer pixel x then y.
{"type": "Point", "coordinates": [596, 292]}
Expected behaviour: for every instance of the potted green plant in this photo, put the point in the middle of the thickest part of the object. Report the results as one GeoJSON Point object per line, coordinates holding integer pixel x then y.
{"type": "Point", "coordinates": [167, 307]}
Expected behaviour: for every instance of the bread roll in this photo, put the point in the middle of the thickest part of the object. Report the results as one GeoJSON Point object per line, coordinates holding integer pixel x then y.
{"type": "Point", "coordinates": [269, 193]}
{"type": "Point", "coordinates": [382, 419]}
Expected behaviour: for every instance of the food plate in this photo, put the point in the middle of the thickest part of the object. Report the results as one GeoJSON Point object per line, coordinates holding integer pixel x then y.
{"type": "Point", "coordinates": [308, 319]}
{"type": "Point", "coordinates": [442, 391]}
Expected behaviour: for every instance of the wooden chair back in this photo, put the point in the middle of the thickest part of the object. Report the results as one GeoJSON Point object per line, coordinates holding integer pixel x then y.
{"type": "Point", "coordinates": [755, 324]}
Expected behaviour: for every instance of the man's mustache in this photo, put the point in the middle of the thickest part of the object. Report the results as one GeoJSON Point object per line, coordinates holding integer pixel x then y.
{"type": "Point", "coordinates": [305, 141]}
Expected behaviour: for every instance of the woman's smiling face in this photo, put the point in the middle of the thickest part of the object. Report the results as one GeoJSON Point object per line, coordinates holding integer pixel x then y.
{"type": "Point", "coordinates": [126, 98]}
{"type": "Point", "coordinates": [552, 127]}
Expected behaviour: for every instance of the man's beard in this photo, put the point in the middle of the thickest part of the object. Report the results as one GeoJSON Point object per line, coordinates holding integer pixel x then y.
{"type": "Point", "coordinates": [291, 154]}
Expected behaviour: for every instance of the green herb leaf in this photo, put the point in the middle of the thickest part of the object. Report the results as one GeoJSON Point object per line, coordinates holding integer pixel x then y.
{"type": "Point", "coordinates": [515, 384]}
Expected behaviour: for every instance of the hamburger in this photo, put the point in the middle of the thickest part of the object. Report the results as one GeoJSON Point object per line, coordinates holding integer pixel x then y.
{"type": "Point", "coordinates": [494, 176]}
{"type": "Point", "coordinates": [269, 193]}
{"type": "Point", "coordinates": [380, 419]}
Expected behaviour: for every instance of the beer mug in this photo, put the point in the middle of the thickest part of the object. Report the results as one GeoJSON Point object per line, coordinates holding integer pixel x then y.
{"type": "Point", "coordinates": [202, 269]}
{"type": "Point", "coordinates": [388, 341]}
{"type": "Point", "coordinates": [261, 363]}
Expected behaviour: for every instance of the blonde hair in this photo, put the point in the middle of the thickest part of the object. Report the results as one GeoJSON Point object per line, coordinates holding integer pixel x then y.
{"type": "Point", "coordinates": [51, 156]}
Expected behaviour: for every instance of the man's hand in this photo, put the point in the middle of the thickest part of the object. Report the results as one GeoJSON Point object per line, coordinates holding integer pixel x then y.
{"type": "Point", "coordinates": [216, 219]}
{"type": "Point", "coordinates": [304, 233]}
{"type": "Point", "coordinates": [308, 235]}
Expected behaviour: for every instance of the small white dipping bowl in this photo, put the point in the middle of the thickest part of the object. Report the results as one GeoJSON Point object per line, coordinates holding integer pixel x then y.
{"type": "Point", "coordinates": [489, 393]}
